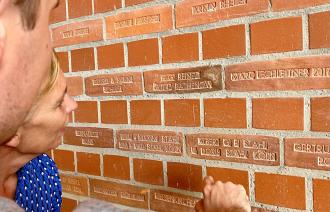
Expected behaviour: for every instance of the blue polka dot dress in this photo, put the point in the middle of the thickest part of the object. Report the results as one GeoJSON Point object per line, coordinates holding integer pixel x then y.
{"type": "Point", "coordinates": [39, 185]}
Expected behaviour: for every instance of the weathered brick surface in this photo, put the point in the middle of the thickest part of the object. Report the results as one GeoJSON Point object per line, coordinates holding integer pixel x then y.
{"type": "Point", "coordinates": [116, 167]}
{"type": "Point", "coordinates": [74, 184]}
{"type": "Point", "coordinates": [279, 5]}
{"type": "Point", "coordinates": [88, 136]}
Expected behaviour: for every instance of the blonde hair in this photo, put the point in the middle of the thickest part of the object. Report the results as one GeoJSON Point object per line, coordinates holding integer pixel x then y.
{"type": "Point", "coordinates": [53, 75]}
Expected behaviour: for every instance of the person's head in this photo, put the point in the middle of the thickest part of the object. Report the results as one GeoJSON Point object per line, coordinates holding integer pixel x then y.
{"type": "Point", "coordinates": [25, 55]}
{"type": "Point", "coordinates": [44, 125]}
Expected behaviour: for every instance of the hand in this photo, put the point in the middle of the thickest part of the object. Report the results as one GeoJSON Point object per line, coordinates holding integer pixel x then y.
{"type": "Point", "coordinates": [223, 197]}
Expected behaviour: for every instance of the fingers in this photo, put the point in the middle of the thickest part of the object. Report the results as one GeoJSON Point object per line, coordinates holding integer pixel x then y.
{"type": "Point", "coordinates": [208, 180]}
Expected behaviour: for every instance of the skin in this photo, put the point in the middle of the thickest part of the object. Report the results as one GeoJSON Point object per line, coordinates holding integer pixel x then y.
{"type": "Point", "coordinates": [41, 131]}
{"type": "Point", "coordinates": [25, 57]}
{"type": "Point", "coordinates": [223, 197]}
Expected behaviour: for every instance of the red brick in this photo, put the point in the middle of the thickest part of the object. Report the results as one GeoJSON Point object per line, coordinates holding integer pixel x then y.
{"type": "Point", "coordinates": [86, 112]}
{"type": "Point", "coordinates": [148, 171]}
{"type": "Point", "coordinates": [133, 196]}
{"type": "Point", "coordinates": [78, 8]}
{"type": "Point", "coordinates": [74, 184]}
{"type": "Point", "coordinates": [111, 56]}
{"type": "Point", "coordinates": [180, 48]}
{"type": "Point", "coordinates": [193, 12]}
{"type": "Point", "coordinates": [78, 32]}
{"type": "Point", "coordinates": [280, 190]}
{"type": "Point", "coordinates": [280, 5]}
{"type": "Point", "coordinates": [75, 86]}
{"type": "Point", "coordinates": [150, 141]}
{"type": "Point", "coordinates": [64, 159]}
{"type": "Point", "coordinates": [142, 21]}
{"type": "Point", "coordinates": [254, 149]}
{"type": "Point", "coordinates": [319, 30]}
{"type": "Point", "coordinates": [224, 42]}
{"type": "Point", "coordinates": [308, 153]}
{"type": "Point", "coordinates": [145, 112]}
{"type": "Point", "coordinates": [63, 60]}
{"type": "Point", "coordinates": [114, 112]}
{"type": "Point", "coordinates": [278, 113]}
{"type": "Point", "coordinates": [88, 163]}
{"type": "Point", "coordinates": [89, 136]}
{"type": "Point", "coordinates": [184, 176]}
{"type": "Point", "coordinates": [225, 113]}
{"type": "Point", "coordinates": [59, 13]}
{"type": "Point", "coordinates": [135, 2]}
{"type": "Point", "coordinates": [171, 202]}
{"type": "Point", "coordinates": [101, 6]}
{"type": "Point", "coordinates": [122, 84]}
{"type": "Point", "coordinates": [143, 52]}
{"type": "Point", "coordinates": [301, 73]}
{"type": "Point", "coordinates": [183, 80]}
{"type": "Point", "coordinates": [320, 110]}
{"type": "Point", "coordinates": [321, 191]}
{"type": "Point", "coordinates": [255, 209]}
{"type": "Point", "coordinates": [183, 113]}
{"type": "Point", "coordinates": [68, 204]}
{"type": "Point", "coordinates": [230, 175]}
{"type": "Point", "coordinates": [272, 35]}
{"type": "Point", "coordinates": [116, 167]}
{"type": "Point", "coordinates": [82, 59]}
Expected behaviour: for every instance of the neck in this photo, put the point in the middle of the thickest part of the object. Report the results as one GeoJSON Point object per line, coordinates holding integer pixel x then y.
{"type": "Point", "coordinates": [11, 161]}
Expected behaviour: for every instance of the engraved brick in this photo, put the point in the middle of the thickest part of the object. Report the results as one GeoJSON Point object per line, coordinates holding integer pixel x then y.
{"type": "Point", "coordinates": [225, 113]}
{"type": "Point", "coordinates": [184, 176]}
{"type": "Point", "coordinates": [145, 112]}
{"type": "Point", "coordinates": [88, 136]}
{"type": "Point", "coordinates": [319, 30]}
{"type": "Point", "coordinates": [143, 21]}
{"type": "Point", "coordinates": [123, 84]}
{"type": "Point", "coordinates": [231, 42]}
{"type": "Point", "coordinates": [111, 56]}
{"type": "Point", "coordinates": [135, 2]}
{"type": "Point", "coordinates": [143, 52]}
{"type": "Point", "coordinates": [278, 113]}
{"type": "Point", "coordinates": [302, 73]}
{"type": "Point", "coordinates": [86, 112]}
{"type": "Point", "coordinates": [320, 110]}
{"type": "Point", "coordinates": [185, 80]}
{"type": "Point", "coordinates": [182, 112]}
{"type": "Point", "coordinates": [180, 48]}
{"type": "Point", "coordinates": [68, 204]}
{"type": "Point", "coordinates": [101, 6]}
{"type": "Point", "coordinates": [148, 171]}
{"type": "Point", "coordinates": [272, 35]}
{"type": "Point", "coordinates": [280, 5]}
{"type": "Point", "coordinates": [79, 32]}
{"type": "Point", "coordinates": [252, 149]}
{"type": "Point", "coordinates": [114, 112]}
{"type": "Point", "coordinates": [116, 167]}
{"type": "Point", "coordinates": [74, 184]}
{"type": "Point", "coordinates": [196, 12]}
{"type": "Point", "coordinates": [74, 85]}
{"type": "Point", "coordinates": [150, 141]}
{"type": "Point", "coordinates": [230, 175]}
{"type": "Point", "coordinates": [82, 59]}
{"type": "Point", "coordinates": [280, 190]}
{"type": "Point", "coordinates": [119, 193]}
{"type": "Point", "coordinates": [88, 163]}
{"type": "Point", "coordinates": [63, 60]}
{"type": "Point", "coordinates": [64, 159]}
{"type": "Point", "coordinates": [59, 13]}
{"type": "Point", "coordinates": [308, 153]}
{"type": "Point", "coordinates": [321, 191]}
{"type": "Point", "coordinates": [171, 202]}
{"type": "Point", "coordinates": [79, 8]}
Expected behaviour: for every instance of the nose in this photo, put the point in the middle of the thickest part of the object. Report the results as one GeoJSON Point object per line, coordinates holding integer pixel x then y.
{"type": "Point", "coordinates": [71, 104]}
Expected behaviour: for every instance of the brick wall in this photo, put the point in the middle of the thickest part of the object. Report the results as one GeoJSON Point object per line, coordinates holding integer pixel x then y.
{"type": "Point", "coordinates": [171, 91]}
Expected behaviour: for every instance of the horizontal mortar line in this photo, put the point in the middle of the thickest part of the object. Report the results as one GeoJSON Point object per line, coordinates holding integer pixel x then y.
{"type": "Point", "coordinates": [276, 208]}
{"type": "Point", "coordinates": [198, 130]}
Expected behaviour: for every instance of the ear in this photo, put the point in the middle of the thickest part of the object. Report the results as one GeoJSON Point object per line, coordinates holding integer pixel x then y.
{"type": "Point", "coordinates": [13, 142]}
